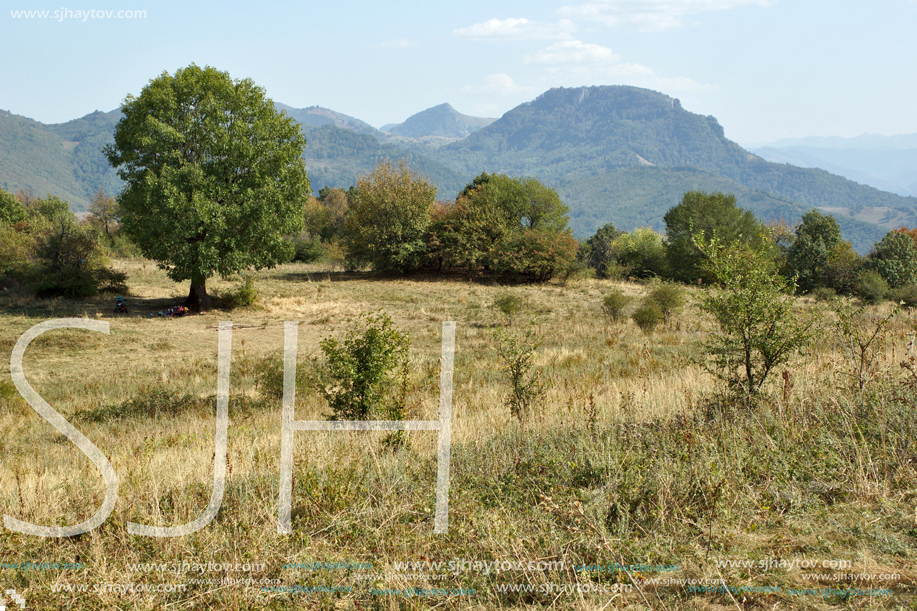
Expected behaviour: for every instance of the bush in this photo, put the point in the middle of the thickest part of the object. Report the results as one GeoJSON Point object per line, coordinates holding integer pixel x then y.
{"type": "Point", "coordinates": [243, 296]}
{"type": "Point", "coordinates": [841, 270]}
{"type": "Point", "coordinates": [759, 328]}
{"type": "Point", "coordinates": [110, 281]}
{"type": "Point", "coordinates": [366, 375]}
{"type": "Point", "coordinates": [307, 249]}
{"type": "Point", "coordinates": [536, 255]}
{"type": "Point", "coordinates": [823, 293]}
{"type": "Point", "coordinates": [613, 305]}
{"type": "Point", "coordinates": [668, 297]}
{"type": "Point", "coordinates": [509, 305]}
{"type": "Point", "coordinates": [598, 252]}
{"type": "Point", "coordinates": [247, 293]}
{"type": "Point", "coordinates": [873, 287]}
{"type": "Point", "coordinates": [526, 386]}
{"type": "Point", "coordinates": [905, 295]}
{"type": "Point", "coordinates": [816, 237]}
{"type": "Point", "coordinates": [861, 337]}
{"type": "Point", "coordinates": [647, 317]}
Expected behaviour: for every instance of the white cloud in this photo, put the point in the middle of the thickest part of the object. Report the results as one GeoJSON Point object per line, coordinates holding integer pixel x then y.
{"type": "Point", "coordinates": [496, 84]}
{"type": "Point", "coordinates": [398, 43]}
{"type": "Point", "coordinates": [651, 15]}
{"type": "Point", "coordinates": [574, 52]}
{"type": "Point", "coordinates": [576, 63]}
{"type": "Point", "coordinates": [517, 29]}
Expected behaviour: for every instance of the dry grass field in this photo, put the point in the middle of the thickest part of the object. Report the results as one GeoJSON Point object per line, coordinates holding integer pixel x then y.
{"type": "Point", "coordinates": [633, 457]}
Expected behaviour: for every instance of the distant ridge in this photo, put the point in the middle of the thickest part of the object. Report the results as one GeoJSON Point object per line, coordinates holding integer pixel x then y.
{"type": "Point", "coordinates": [316, 116]}
{"type": "Point", "coordinates": [442, 121]}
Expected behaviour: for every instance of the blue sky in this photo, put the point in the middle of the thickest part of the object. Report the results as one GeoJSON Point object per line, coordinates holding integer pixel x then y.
{"type": "Point", "coordinates": [767, 69]}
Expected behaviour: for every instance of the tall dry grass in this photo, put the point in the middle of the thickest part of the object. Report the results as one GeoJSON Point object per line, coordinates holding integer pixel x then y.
{"type": "Point", "coordinates": [634, 456]}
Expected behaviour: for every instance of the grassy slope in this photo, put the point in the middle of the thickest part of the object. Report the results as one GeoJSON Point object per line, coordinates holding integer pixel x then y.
{"type": "Point", "coordinates": [630, 458]}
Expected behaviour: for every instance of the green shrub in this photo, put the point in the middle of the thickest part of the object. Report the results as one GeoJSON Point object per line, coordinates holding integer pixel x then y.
{"type": "Point", "coordinates": [535, 255]}
{"type": "Point", "coordinates": [613, 305]}
{"type": "Point", "coordinates": [111, 281]}
{"type": "Point", "coordinates": [247, 293]}
{"type": "Point", "coordinates": [647, 317]}
{"type": "Point", "coordinates": [527, 386]}
{"type": "Point", "coordinates": [307, 249]}
{"type": "Point", "coordinates": [668, 297]}
{"type": "Point", "coordinates": [905, 295]}
{"type": "Point", "coordinates": [640, 253]}
{"type": "Point", "coordinates": [366, 375]}
{"type": "Point", "coordinates": [509, 305]}
{"type": "Point", "coordinates": [873, 287]}
{"type": "Point", "coordinates": [243, 296]}
{"type": "Point", "coordinates": [268, 374]}
{"type": "Point", "coordinates": [823, 293]}
{"type": "Point", "coordinates": [759, 327]}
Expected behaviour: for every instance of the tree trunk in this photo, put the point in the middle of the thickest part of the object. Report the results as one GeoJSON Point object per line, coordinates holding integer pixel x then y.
{"type": "Point", "coordinates": [198, 300]}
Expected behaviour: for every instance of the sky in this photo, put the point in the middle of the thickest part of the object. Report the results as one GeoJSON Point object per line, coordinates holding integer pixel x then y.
{"type": "Point", "coordinates": [766, 69]}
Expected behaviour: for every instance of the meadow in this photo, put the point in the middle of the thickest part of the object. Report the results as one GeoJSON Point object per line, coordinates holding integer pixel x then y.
{"type": "Point", "coordinates": [636, 482]}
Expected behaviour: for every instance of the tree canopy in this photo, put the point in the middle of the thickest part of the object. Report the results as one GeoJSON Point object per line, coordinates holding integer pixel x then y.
{"type": "Point", "coordinates": [710, 215]}
{"type": "Point", "coordinates": [816, 237]}
{"type": "Point", "coordinates": [513, 226]}
{"type": "Point", "coordinates": [214, 176]}
{"type": "Point", "coordinates": [895, 258]}
{"type": "Point", "coordinates": [388, 217]}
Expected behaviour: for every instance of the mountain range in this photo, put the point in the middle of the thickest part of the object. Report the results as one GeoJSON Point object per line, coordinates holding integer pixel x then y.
{"type": "Point", "coordinates": [885, 162]}
{"type": "Point", "coordinates": [614, 153]}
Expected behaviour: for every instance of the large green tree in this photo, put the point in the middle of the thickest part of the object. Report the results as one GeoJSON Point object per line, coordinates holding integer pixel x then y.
{"type": "Point", "coordinates": [513, 226]}
{"type": "Point", "coordinates": [816, 238]}
{"type": "Point", "coordinates": [214, 176]}
{"type": "Point", "coordinates": [388, 218]}
{"type": "Point", "coordinates": [895, 258]}
{"type": "Point", "coordinates": [709, 215]}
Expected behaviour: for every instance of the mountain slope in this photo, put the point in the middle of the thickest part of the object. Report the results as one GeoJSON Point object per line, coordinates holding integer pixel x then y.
{"type": "Point", "coordinates": [569, 134]}
{"type": "Point", "coordinates": [335, 157]}
{"type": "Point", "coordinates": [64, 160]}
{"type": "Point", "coordinates": [635, 197]}
{"type": "Point", "coordinates": [888, 169]}
{"type": "Point", "coordinates": [618, 153]}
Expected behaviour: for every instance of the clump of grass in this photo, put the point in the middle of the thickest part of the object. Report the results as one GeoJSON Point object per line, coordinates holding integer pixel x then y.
{"type": "Point", "coordinates": [824, 293]}
{"type": "Point", "coordinates": [151, 403]}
